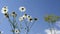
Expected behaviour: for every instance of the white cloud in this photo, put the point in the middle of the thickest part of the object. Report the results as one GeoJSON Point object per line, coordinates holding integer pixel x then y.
{"type": "Point", "coordinates": [56, 31]}
{"type": "Point", "coordinates": [58, 23]}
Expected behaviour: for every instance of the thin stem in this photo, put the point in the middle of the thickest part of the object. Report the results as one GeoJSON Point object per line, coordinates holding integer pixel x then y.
{"type": "Point", "coordinates": [27, 30]}
{"type": "Point", "coordinates": [27, 27]}
{"type": "Point", "coordinates": [13, 32]}
{"type": "Point", "coordinates": [50, 28]}
{"type": "Point", "coordinates": [20, 26]}
{"type": "Point", "coordinates": [53, 28]}
{"type": "Point", "coordinates": [11, 24]}
{"type": "Point", "coordinates": [32, 25]}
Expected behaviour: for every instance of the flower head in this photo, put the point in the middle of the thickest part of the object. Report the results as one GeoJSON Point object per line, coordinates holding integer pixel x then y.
{"type": "Point", "coordinates": [22, 9]}
{"type": "Point", "coordinates": [4, 9]}
{"type": "Point", "coordinates": [17, 31]}
{"type": "Point", "coordinates": [6, 15]}
{"type": "Point", "coordinates": [28, 16]}
{"type": "Point", "coordinates": [21, 18]}
{"type": "Point", "coordinates": [25, 16]}
{"type": "Point", "coordinates": [30, 19]}
{"type": "Point", "coordinates": [14, 14]}
{"type": "Point", "coordinates": [35, 19]}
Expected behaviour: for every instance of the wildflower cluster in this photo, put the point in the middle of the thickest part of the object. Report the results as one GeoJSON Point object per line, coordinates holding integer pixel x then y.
{"type": "Point", "coordinates": [15, 27]}
{"type": "Point", "coordinates": [51, 18]}
{"type": "Point", "coordinates": [28, 17]}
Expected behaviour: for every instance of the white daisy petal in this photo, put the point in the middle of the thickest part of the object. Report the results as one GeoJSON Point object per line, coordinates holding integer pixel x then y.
{"type": "Point", "coordinates": [16, 31]}
{"type": "Point", "coordinates": [21, 18]}
{"type": "Point", "coordinates": [24, 16]}
{"type": "Point", "coordinates": [30, 20]}
{"type": "Point", "coordinates": [22, 9]}
{"type": "Point", "coordinates": [28, 16]}
{"type": "Point", "coordinates": [4, 10]}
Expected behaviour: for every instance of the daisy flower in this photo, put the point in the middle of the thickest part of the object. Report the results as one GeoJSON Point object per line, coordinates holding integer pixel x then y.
{"type": "Point", "coordinates": [22, 9]}
{"type": "Point", "coordinates": [25, 16]}
{"type": "Point", "coordinates": [14, 14]}
{"type": "Point", "coordinates": [6, 15]}
{"type": "Point", "coordinates": [4, 9]}
{"type": "Point", "coordinates": [30, 20]}
{"type": "Point", "coordinates": [28, 16]}
{"type": "Point", "coordinates": [21, 18]}
{"type": "Point", "coordinates": [35, 19]}
{"type": "Point", "coordinates": [16, 31]}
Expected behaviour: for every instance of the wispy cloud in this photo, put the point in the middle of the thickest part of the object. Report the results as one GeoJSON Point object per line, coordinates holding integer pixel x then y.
{"type": "Point", "coordinates": [58, 23]}
{"type": "Point", "coordinates": [56, 31]}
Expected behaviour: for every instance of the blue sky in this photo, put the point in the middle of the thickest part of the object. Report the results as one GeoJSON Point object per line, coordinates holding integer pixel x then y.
{"type": "Point", "coordinates": [35, 8]}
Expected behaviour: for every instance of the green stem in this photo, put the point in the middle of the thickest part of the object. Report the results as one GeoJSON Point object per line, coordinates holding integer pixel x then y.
{"type": "Point", "coordinates": [11, 23]}
{"type": "Point", "coordinates": [13, 32]}
{"type": "Point", "coordinates": [53, 28]}
{"type": "Point", "coordinates": [50, 28]}
{"type": "Point", "coordinates": [14, 23]}
{"type": "Point", "coordinates": [27, 28]}
{"type": "Point", "coordinates": [32, 25]}
{"type": "Point", "coordinates": [20, 26]}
